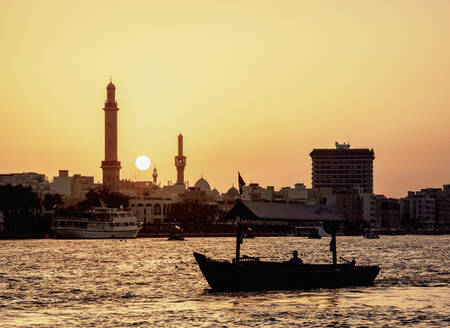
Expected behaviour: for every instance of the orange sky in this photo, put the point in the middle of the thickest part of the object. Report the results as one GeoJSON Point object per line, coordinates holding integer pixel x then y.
{"type": "Point", "coordinates": [252, 85]}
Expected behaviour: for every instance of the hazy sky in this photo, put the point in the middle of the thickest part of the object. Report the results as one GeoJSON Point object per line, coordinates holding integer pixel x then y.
{"type": "Point", "coordinates": [252, 85]}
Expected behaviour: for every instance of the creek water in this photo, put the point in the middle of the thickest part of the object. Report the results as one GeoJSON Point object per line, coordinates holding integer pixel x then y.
{"type": "Point", "coordinates": [157, 283]}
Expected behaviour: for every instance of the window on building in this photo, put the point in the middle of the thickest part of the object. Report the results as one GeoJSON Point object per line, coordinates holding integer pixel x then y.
{"type": "Point", "coordinates": [157, 209]}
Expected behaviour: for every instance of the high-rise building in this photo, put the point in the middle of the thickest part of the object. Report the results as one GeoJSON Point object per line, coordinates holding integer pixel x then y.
{"type": "Point", "coordinates": [343, 168]}
{"type": "Point", "coordinates": [111, 166]}
{"type": "Point", "coordinates": [180, 162]}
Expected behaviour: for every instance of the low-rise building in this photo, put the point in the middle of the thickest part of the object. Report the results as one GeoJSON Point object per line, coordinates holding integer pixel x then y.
{"type": "Point", "coordinates": [428, 209]}
{"type": "Point", "coordinates": [256, 193]}
{"type": "Point", "coordinates": [75, 186]}
{"type": "Point", "coordinates": [154, 208]}
{"type": "Point", "coordinates": [38, 182]}
{"type": "Point", "coordinates": [298, 194]}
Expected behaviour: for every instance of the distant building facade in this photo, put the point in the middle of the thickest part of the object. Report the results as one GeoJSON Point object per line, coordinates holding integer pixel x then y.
{"type": "Point", "coordinates": [137, 188]}
{"type": "Point", "coordinates": [298, 194]}
{"type": "Point", "coordinates": [343, 168]}
{"type": "Point", "coordinates": [75, 186]}
{"type": "Point", "coordinates": [256, 193]}
{"type": "Point", "coordinates": [349, 203]}
{"type": "Point", "coordinates": [37, 182]}
{"type": "Point", "coordinates": [155, 208]}
{"type": "Point", "coordinates": [387, 214]}
{"type": "Point", "coordinates": [428, 209]}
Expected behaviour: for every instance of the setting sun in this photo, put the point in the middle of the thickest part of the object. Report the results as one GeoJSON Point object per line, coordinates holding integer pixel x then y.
{"type": "Point", "coordinates": [142, 163]}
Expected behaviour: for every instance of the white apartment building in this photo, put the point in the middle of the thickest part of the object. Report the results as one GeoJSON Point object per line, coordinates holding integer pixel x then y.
{"type": "Point", "coordinates": [421, 207]}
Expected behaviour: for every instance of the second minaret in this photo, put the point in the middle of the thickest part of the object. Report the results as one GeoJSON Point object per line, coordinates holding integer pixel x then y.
{"type": "Point", "coordinates": [180, 161]}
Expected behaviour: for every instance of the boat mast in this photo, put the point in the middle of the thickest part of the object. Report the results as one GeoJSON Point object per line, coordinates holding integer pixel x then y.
{"type": "Point", "coordinates": [238, 239]}
{"type": "Point", "coordinates": [332, 227]}
{"type": "Point", "coordinates": [333, 247]}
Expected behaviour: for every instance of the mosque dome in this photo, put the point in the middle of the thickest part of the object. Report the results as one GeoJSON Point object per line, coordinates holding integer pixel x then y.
{"type": "Point", "coordinates": [216, 192]}
{"type": "Point", "coordinates": [232, 192]}
{"type": "Point", "coordinates": [203, 185]}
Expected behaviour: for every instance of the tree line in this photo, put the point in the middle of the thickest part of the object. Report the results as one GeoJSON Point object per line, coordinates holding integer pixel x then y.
{"type": "Point", "coordinates": [25, 212]}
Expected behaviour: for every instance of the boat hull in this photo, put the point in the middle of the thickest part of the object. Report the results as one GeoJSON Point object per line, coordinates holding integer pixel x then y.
{"type": "Point", "coordinates": [258, 275]}
{"type": "Point", "coordinates": [93, 234]}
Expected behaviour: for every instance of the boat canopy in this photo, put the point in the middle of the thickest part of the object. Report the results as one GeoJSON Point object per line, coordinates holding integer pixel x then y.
{"type": "Point", "coordinates": [283, 213]}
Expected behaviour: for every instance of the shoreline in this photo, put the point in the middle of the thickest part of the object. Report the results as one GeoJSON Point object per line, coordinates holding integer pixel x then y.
{"type": "Point", "coordinates": [18, 236]}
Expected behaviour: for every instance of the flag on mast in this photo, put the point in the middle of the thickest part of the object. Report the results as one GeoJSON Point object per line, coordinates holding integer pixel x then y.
{"type": "Point", "coordinates": [241, 183]}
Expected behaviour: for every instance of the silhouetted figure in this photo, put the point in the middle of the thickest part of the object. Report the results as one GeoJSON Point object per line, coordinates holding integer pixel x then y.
{"type": "Point", "coordinates": [295, 259]}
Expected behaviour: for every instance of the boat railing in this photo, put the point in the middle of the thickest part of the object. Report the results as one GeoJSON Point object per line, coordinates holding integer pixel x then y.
{"type": "Point", "coordinates": [246, 258]}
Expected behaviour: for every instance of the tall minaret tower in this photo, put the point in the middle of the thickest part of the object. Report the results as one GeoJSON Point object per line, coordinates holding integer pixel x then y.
{"type": "Point", "coordinates": [155, 176]}
{"type": "Point", "coordinates": [111, 166]}
{"type": "Point", "coordinates": [180, 161]}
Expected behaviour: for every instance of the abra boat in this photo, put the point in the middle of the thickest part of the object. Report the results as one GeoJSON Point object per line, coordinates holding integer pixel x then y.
{"type": "Point", "coordinates": [99, 223]}
{"type": "Point", "coordinates": [176, 233]}
{"type": "Point", "coordinates": [250, 273]}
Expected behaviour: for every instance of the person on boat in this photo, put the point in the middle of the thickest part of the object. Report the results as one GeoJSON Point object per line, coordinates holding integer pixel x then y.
{"type": "Point", "coordinates": [295, 259]}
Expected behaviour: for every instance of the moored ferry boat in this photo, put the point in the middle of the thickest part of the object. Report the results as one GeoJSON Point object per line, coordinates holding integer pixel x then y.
{"type": "Point", "coordinates": [99, 223]}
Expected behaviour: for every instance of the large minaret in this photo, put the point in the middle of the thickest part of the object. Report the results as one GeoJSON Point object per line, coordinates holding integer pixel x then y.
{"type": "Point", "coordinates": [180, 161]}
{"type": "Point", "coordinates": [111, 166]}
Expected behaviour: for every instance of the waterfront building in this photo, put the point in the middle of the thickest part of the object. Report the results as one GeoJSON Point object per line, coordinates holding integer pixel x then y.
{"type": "Point", "coordinates": [356, 206]}
{"type": "Point", "coordinates": [298, 194]}
{"type": "Point", "coordinates": [387, 214]}
{"type": "Point", "coordinates": [137, 188]}
{"type": "Point", "coordinates": [321, 196]}
{"type": "Point", "coordinates": [38, 182]}
{"type": "Point", "coordinates": [155, 208]}
{"type": "Point", "coordinates": [428, 209]}
{"type": "Point", "coordinates": [256, 193]}
{"type": "Point", "coordinates": [111, 166]}
{"type": "Point", "coordinates": [62, 184]}
{"type": "Point", "coordinates": [348, 202]}
{"type": "Point", "coordinates": [75, 186]}
{"type": "Point", "coordinates": [343, 168]}
{"type": "Point", "coordinates": [368, 205]}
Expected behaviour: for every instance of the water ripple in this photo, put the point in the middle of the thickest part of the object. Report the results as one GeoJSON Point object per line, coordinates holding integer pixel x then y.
{"type": "Point", "coordinates": [155, 282]}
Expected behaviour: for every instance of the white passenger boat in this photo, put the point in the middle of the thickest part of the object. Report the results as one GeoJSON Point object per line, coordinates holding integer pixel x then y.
{"type": "Point", "coordinates": [101, 222]}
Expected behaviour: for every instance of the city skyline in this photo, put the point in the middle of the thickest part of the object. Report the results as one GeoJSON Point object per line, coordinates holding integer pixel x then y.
{"type": "Point", "coordinates": [250, 88]}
